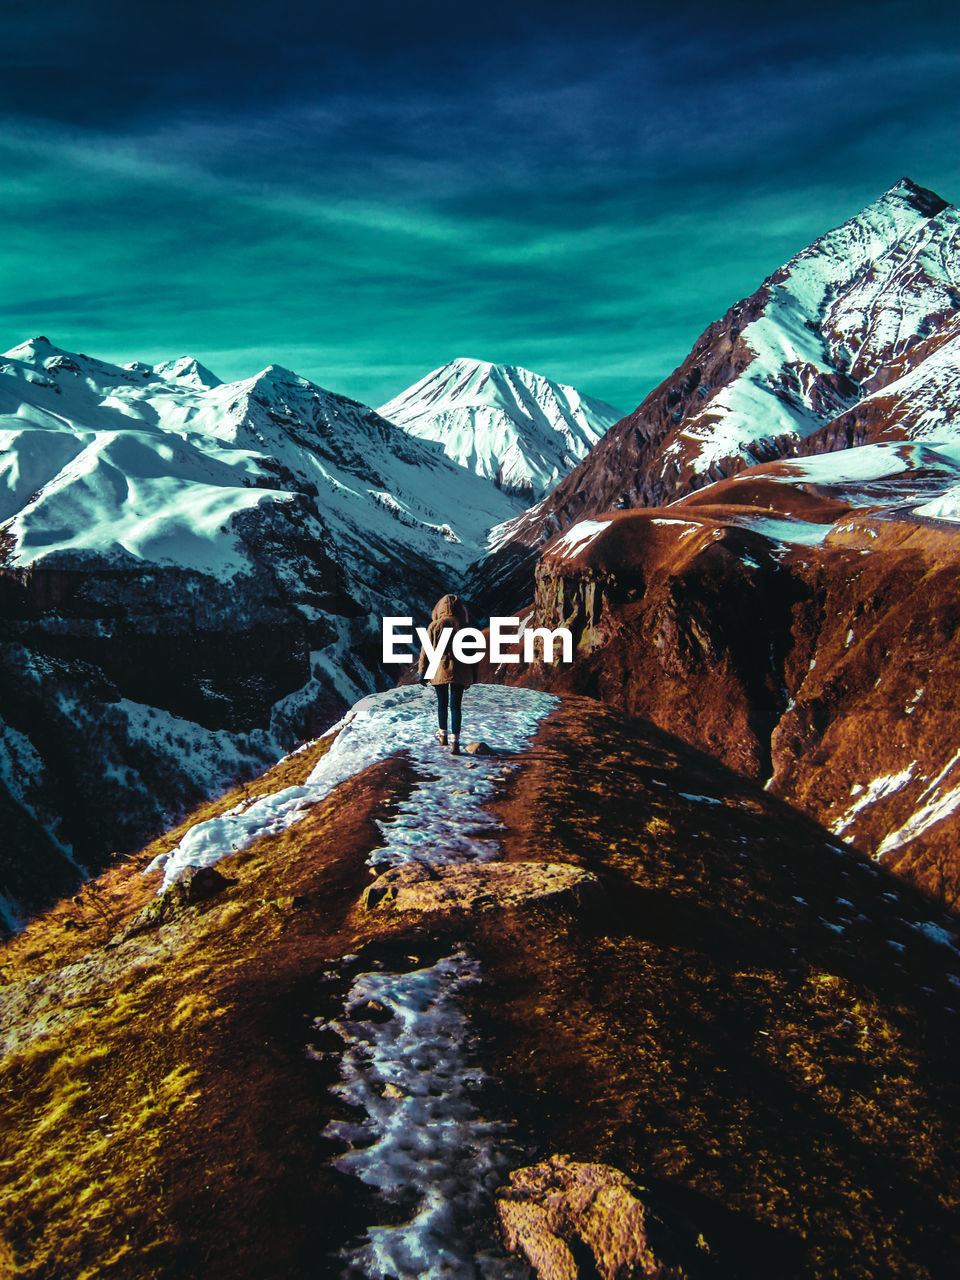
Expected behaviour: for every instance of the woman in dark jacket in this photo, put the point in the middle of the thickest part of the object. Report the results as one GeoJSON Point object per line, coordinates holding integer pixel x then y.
{"type": "Point", "coordinates": [452, 676]}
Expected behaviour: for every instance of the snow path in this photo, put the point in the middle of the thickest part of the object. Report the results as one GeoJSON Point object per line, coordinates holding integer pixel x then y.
{"type": "Point", "coordinates": [423, 1142]}
{"type": "Point", "coordinates": [448, 803]}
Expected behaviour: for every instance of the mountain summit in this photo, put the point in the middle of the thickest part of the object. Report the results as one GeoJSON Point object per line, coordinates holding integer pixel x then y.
{"type": "Point", "coordinates": [855, 339]}
{"type": "Point", "coordinates": [515, 427]}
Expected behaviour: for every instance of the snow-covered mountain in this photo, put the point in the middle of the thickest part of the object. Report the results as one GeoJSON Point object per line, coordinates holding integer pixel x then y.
{"type": "Point", "coordinates": [143, 465]}
{"type": "Point", "coordinates": [856, 339]}
{"type": "Point", "coordinates": [511, 425]}
{"type": "Point", "coordinates": [192, 576]}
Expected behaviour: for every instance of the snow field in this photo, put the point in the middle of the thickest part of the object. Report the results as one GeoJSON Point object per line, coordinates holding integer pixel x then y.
{"type": "Point", "coordinates": [578, 538]}
{"type": "Point", "coordinates": [866, 796]}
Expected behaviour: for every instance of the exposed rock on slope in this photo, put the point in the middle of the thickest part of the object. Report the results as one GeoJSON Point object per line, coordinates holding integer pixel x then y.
{"type": "Point", "coordinates": [588, 1205]}
{"type": "Point", "coordinates": [755, 1028]}
{"type": "Point", "coordinates": [854, 340]}
{"type": "Point", "coordinates": [800, 623]}
{"type": "Point", "coordinates": [515, 427]}
{"type": "Point", "coordinates": [191, 579]}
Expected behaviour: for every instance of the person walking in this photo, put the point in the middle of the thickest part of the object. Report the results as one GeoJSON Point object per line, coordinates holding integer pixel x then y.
{"type": "Point", "coordinates": [452, 676]}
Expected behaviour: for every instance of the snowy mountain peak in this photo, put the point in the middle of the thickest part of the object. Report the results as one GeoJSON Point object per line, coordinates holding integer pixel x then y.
{"type": "Point", "coordinates": [38, 352]}
{"type": "Point", "coordinates": [855, 339]}
{"type": "Point", "coordinates": [502, 421]}
{"type": "Point", "coordinates": [189, 370]}
{"type": "Point", "coordinates": [921, 198]}
{"type": "Point", "coordinates": [40, 356]}
{"type": "Point", "coordinates": [33, 349]}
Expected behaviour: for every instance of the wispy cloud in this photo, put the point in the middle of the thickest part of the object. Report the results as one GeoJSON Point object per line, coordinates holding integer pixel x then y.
{"type": "Point", "coordinates": [583, 206]}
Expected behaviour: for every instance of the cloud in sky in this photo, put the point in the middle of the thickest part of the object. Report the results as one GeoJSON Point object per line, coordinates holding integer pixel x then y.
{"type": "Point", "coordinates": [581, 190]}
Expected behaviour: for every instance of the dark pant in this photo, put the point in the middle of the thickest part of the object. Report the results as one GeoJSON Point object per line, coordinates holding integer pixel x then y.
{"type": "Point", "coordinates": [455, 694]}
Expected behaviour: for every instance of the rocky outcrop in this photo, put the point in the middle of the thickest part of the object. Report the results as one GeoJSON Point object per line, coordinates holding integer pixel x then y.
{"type": "Point", "coordinates": [197, 885]}
{"type": "Point", "coordinates": [799, 626]}
{"type": "Point", "coordinates": [553, 1212]}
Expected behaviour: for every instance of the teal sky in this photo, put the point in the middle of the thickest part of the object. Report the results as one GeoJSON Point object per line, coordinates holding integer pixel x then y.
{"type": "Point", "coordinates": [579, 189]}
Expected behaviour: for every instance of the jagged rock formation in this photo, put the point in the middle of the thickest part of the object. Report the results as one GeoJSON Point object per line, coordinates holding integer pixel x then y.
{"type": "Point", "coordinates": [516, 427]}
{"type": "Point", "coordinates": [755, 1026]}
{"type": "Point", "coordinates": [420, 889]}
{"type": "Point", "coordinates": [854, 340]}
{"type": "Point", "coordinates": [192, 577]}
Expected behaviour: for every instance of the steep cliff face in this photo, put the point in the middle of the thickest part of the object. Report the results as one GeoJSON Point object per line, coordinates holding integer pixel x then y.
{"type": "Point", "coordinates": [800, 623]}
{"type": "Point", "coordinates": [852, 341]}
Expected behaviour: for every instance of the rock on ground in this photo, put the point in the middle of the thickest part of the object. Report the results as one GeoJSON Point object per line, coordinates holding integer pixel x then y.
{"type": "Point", "coordinates": [419, 888]}
{"type": "Point", "coordinates": [549, 1209]}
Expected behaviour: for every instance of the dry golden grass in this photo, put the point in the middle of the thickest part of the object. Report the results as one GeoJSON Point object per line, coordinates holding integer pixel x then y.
{"type": "Point", "coordinates": [787, 1089]}
{"type": "Point", "coordinates": [790, 1088]}
{"type": "Point", "coordinates": [75, 926]}
{"type": "Point", "coordinates": [141, 1132]}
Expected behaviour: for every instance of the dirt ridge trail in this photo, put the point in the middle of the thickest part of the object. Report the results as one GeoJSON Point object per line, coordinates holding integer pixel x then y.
{"type": "Point", "coordinates": [748, 1022]}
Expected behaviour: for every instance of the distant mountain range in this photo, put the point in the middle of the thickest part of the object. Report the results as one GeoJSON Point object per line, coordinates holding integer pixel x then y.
{"type": "Point", "coordinates": [192, 577]}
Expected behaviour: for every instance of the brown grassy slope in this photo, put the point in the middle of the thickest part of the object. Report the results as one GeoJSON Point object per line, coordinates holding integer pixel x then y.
{"type": "Point", "coordinates": [171, 1127]}
{"type": "Point", "coordinates": [789, 1088]}
{"type": "Point", "coordinates": [74, 926]}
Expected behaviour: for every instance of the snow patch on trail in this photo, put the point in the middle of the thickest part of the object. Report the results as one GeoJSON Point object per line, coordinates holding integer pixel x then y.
{"type": "Point", "coordinates": [376, 727]}
{"type": "Point", "coordinates": [422, 1136]}
{"type": "Point", "coordinates": [413, 1073]}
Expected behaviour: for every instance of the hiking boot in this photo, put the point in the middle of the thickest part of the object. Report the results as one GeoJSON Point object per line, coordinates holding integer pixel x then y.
{"type": "Point", "coordinates": [454, 744]}
{"type": "Point", "coordinates": [441, 736]}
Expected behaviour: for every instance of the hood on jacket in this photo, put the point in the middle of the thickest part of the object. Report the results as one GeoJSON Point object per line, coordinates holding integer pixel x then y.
{"type": "Point", "coordinates": [451, 607]}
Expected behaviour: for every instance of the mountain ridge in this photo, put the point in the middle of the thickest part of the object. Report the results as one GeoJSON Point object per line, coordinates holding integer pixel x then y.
{"type": "Point", "coordinates": [729, 406]}
{"type": "Point", "coordinates": [743, 1022]}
